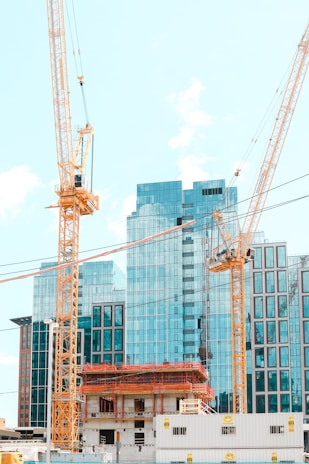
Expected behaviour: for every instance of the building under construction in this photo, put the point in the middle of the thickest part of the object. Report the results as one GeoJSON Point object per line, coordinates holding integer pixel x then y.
{"type": "Point", "coordinates": [121, 403]}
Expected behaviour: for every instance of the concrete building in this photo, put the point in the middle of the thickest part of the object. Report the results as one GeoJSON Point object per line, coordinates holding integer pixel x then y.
{"type": "Point", "coordinates": [121, 403]}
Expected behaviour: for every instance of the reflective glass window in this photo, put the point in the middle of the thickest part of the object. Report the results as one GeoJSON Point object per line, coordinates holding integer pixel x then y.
{"type": "Point", "coordinates": [271, 357]}
{"type": "Point", "coordinates": [260, 403]}
{"type": "Point", "coordinates": [257, 263]}
{"type": "Point", "coordinates": [305, 281]}
{"type": "Point", "coordinates": [272, 403]}
{"type": "Point", "coordinates": [284, 356]}
{"type": "Point", "coordinates": [257, 282]}
{"type": "Point", "coordinates": [270, 282]}
{"type": "Point", "coordinates": [118, 339]}
{"type": "Point", "coordinates": [107, 358]}
{"type": "Point", "coordinates": [284, 380]}
{"type": "Point", "coordinates": [96, 358]}
{"type": "Point", "coordinates": [118, 358]}
{"type": "Point", "coordinates": [306, 356]}
{"type": "Point", "coordinates": [307, 380]}
{"type": "Point", "coordinates": [269, 257]}
{"type": "Point", "coordinates": [270, 305]}
{"type": "Point", "coordinates": [259, 333]}
{"type": "Point", "coordinates": [281, 256]}
{"type": "Point", "coordinates": [96, 340]}
{"type": "Point", "coordinates": [259, 381]}
{"type": "Point", "coordinates": [258, 307]}
{"type": "Point", "coordinates": [306, 306]}
{"type": "Point", "coordinates": [281, 281]}
{"type": "Point", "coordinates": [259, 357]}
{"type": "Point", "coordinates": [118, 315]}
{"type": "Point", "coordinates": [283, 306]}
{"type": "Point", "coordinates": [306, 331]}
{"type": "Point", "coordinates": [285, 402]}
{"type": "Point", "coordinates": [271, 332]}
{"type": "Point", "coordinates": [272, 380]}
{"type": "Point", "coordinates": [307, 404]}
{"type": "Point", "coordinates": [96, 316]}
{"type": "Point", "coordinates": [107, 316]}
{"type": "Point", "coordinates": [283, 331]}
{"type": "Point", "coordinates": [107, 340]}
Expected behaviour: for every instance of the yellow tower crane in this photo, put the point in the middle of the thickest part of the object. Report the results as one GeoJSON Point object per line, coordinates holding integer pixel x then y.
{"type": "Point", "coordinates": [235, 251]}
{"type": "Point", "coordinates": [75, 200]}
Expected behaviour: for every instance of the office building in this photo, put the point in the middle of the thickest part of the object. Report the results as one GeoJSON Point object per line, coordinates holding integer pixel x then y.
{"type": "Point", "coordinates": [100, 337]}
{"type": "Point", "coordinates": [176, 311]}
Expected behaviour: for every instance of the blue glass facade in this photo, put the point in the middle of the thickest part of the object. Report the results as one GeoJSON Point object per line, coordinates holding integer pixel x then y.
{"type": "Point", "coordinates": [101, 292]}
{"type": "Point", "coordinates": [176, 311]}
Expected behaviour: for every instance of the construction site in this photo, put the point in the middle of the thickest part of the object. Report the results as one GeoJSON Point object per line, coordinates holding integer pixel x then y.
{"type": "Point", "coordinates": [153, 412]}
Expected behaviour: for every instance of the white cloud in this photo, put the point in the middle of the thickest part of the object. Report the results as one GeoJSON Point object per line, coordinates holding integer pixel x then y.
{"type": "Point", "coordinates": [182, 139]}
{"type": "Point", "coordinates": [118, 224]}
{"type": "Point", "coordinates": [8, 360]}
{"type": "Point", "coordinates": [187, 105]}
{"type": "Point", "coordinates": [15, 185]}
{"type": "Point", "coordinates": [191, 169]}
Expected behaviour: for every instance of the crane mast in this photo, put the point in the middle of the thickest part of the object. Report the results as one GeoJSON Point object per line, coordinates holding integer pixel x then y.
{"type": "Point", "coordinates": [74, 201]}
{"type": "Point", "coordinates": [237, 252]}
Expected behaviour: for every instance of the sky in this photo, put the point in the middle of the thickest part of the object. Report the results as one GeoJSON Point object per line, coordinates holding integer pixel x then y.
{"type": "Point", "coordinates": [175, 90]}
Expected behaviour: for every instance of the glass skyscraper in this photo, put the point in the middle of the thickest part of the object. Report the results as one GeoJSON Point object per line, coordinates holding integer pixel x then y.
{"type": "Point", "coordinates": [176, 311]}
{"type": "Point", "coordinates": [100, 337]}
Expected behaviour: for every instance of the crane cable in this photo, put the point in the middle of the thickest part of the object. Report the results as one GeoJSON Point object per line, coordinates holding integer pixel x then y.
{"type": "Point", "coordinates": [78, 63]}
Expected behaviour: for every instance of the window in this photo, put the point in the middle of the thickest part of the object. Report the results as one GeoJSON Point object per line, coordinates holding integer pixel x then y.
{"type": "Point", "coordinates": [306, 306]}
{"type": "Point", "coordinates": [107, 316]}
{"type": "Point", "coordinates": [272, 380]}
{"type": "Point", "coordinates": [107, 437]}
{"type": "Point", "coordinates": [281, 281]}
{"type": "Point", "coordinates": [307, 380]}
{"type": "Point", "coordinates": [139, 424]}
{"type": "Point", "coordinates": [260, 403]}
{"type": "Point", "coordinates": [179, 430]}
{"type": "Point", "coordinates": [212, 191]}
{"type": "Point", "coordinates": [285, 402]}
{"type": "Point", "coordinates": [257, 282]}
{"type": "Point", "coordinates": [118, 315]}
{"type": "Point", "coordinates": [258, 307]}
{"type": "Point", "coordinates": [306, 331]}
{"type": "Point", "coordinates": [96, 316]}
{"type": "Point", "coordinates": [257, 263]}
{"type": "Point", "coordinates": [107, 340]}
{"type": "Point", "coordinates": [228, 430]}
{"type": "Point", "coordinates": [270, 282]}
{"type": "Point", "coordinates": [284, 381]}
{"type": "Point", "coordinates": [269, 257]}
{"type": "Point", "coordinates": [282, 304]}
{"type": "Point", "coordinates": [139, 405]}
{"type": "Point", "coordinates": [284, 356]}
{"type": "Point", "coordinates": [260, 381]}
{"type": "Point", "coordinates": [306, 356]}
{"type": "Point", "coordinates": [96, 340]}
{"type": "Point", "coordinates": [305, 281]}
{"type": "Point", "coordinates": [276, 428]}
{"type": "Point", "coordinates": [281, 256]}
{"type": "Point", "coordinates": [259, 357]}
{"type": "Point", "coordinates": [118, 339]}
{"type": "Point", "coordinates": [272, 403]}
{"type": "Point", "coordinates": [271, 332]}
{"type": "Point", "coordinates": [259, 333]}
{"type": "Point", "coordinates": [106, 405]}
{"type": "Point", "coordinates": [271, 357]}
{"type": "Point", "coordinates": [270, 306]}
{"type": "Point", "coordinates": [283, 331]}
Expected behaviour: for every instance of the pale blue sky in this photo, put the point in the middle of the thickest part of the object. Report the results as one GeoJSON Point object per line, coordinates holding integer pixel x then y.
{"type": "Point", "coordinates": [176, 89]}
